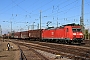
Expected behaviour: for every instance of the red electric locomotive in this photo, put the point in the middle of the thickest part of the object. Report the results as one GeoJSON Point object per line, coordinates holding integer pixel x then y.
{"type": "Point", "coordinates": [70, 33]}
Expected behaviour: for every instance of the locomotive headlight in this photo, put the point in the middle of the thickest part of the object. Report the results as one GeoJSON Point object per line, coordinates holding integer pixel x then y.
{"type": "Point", "coordinates": [80, 34]}
{"type": "Point", "coordinates": [74, 33]}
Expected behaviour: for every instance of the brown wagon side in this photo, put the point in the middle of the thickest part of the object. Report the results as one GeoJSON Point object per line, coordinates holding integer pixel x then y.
{"type": "Point", "coordinates": [34, 34]}
{"type": "Point", "coordinates": [24, 35]}
{"type": "Point", "coordinates": [17, 35]}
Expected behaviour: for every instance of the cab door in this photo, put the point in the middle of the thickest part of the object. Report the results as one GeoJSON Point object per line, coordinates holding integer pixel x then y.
{"type": "Point", "coordinates": [66, 33]}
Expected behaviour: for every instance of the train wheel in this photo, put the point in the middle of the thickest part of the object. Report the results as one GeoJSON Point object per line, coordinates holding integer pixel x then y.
{"type": "Point", "coordinates": [66, 41]}
{"type": "Point", "coordinates": [69, 42]}
{"type": "Point", "coordinates": [79, 42]}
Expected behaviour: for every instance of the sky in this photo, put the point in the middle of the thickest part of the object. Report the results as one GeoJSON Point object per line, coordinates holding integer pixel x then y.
{"type": "Point", "coordinates": [23, 14]}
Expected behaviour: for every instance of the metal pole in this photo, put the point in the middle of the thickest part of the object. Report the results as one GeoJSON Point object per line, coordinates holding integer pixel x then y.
{"type": "Point", "coordinates": [8, 35]}
{"type": "Point", "coordinates": [11, 28]}
{"type": "Point", "coordinates": [33, 25]}
{"type": "Point", "coordinates": [57, 22]}
{"type": "Point", "coordinates": [28, 28]}
{"type": "Point", "coordinates": [40, 19]}
{"type": "Point", "coordinates": [82, 17]}
{"type": "Point", "coordinates": [40, 26]}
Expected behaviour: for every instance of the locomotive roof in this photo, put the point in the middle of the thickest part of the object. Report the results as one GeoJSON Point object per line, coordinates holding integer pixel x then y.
{"type": "Point", "coordinates": [55, 27]}
{"type": "Point", "coordinates": [73, 24]}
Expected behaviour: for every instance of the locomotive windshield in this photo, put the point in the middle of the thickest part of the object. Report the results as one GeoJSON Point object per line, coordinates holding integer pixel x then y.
{"type": "Point", "coordinates": [76, 29]}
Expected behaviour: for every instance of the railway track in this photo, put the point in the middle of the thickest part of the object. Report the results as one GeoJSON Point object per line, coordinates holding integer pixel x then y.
{"type": "Point", "coordinates": [28, 53]}
{"type": "Point", "coordinates": [72, 52]}
{"type": "Point", "coordinates": [22, 55]}
{"type": "Point", "coordinates": [87, 43]}
{"type": "Point", "coordinates": [82, 52]}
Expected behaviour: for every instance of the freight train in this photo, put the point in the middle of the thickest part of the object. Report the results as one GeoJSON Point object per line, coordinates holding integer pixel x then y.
{"type": "Point", "coordinates": [69, 33]}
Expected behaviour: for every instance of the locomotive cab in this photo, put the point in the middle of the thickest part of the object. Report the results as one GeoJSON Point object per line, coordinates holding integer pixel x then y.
{"type": "Point", "coordinates": [77, 35]}
{"type": "Point", "coordinates": [73, 33]}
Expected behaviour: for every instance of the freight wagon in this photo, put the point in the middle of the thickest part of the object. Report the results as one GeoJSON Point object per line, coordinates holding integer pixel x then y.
{"type": "Point", "coordinates": [24, 34]}
{"type": "Point", "coordinates": [31, 35]}
{"type": "Point", "coordinates": [17, 35]}
{"type": "Point", "coordinates": [35, 34]}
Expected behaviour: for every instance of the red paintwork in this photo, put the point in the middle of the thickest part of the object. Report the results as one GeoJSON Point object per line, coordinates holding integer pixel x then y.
{"type": "Point", "coordinates": [48, 33]}
{"type": "Point", "coordinates": [61, 33]}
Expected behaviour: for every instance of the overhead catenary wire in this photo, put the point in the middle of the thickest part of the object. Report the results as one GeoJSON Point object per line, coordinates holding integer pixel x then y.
{"type": "Point", "coordinates": [33, 10]}
{"type": "Point", "coordinates": [41, 6]}
{"type": "Point", "coordinates": [10, 7]}
{"type": "Point", "coordinates": [31, 14]}
{"type": "Point", "coordinates": [56, 4]}
{"type": "Point", "coordinates": [51, 14]}
{"type": "Point", "coordinates": [64, 12]}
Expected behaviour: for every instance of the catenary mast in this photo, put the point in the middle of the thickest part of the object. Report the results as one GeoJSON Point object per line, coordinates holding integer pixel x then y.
{"type": "Point", "coordinates": [82, 17]}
